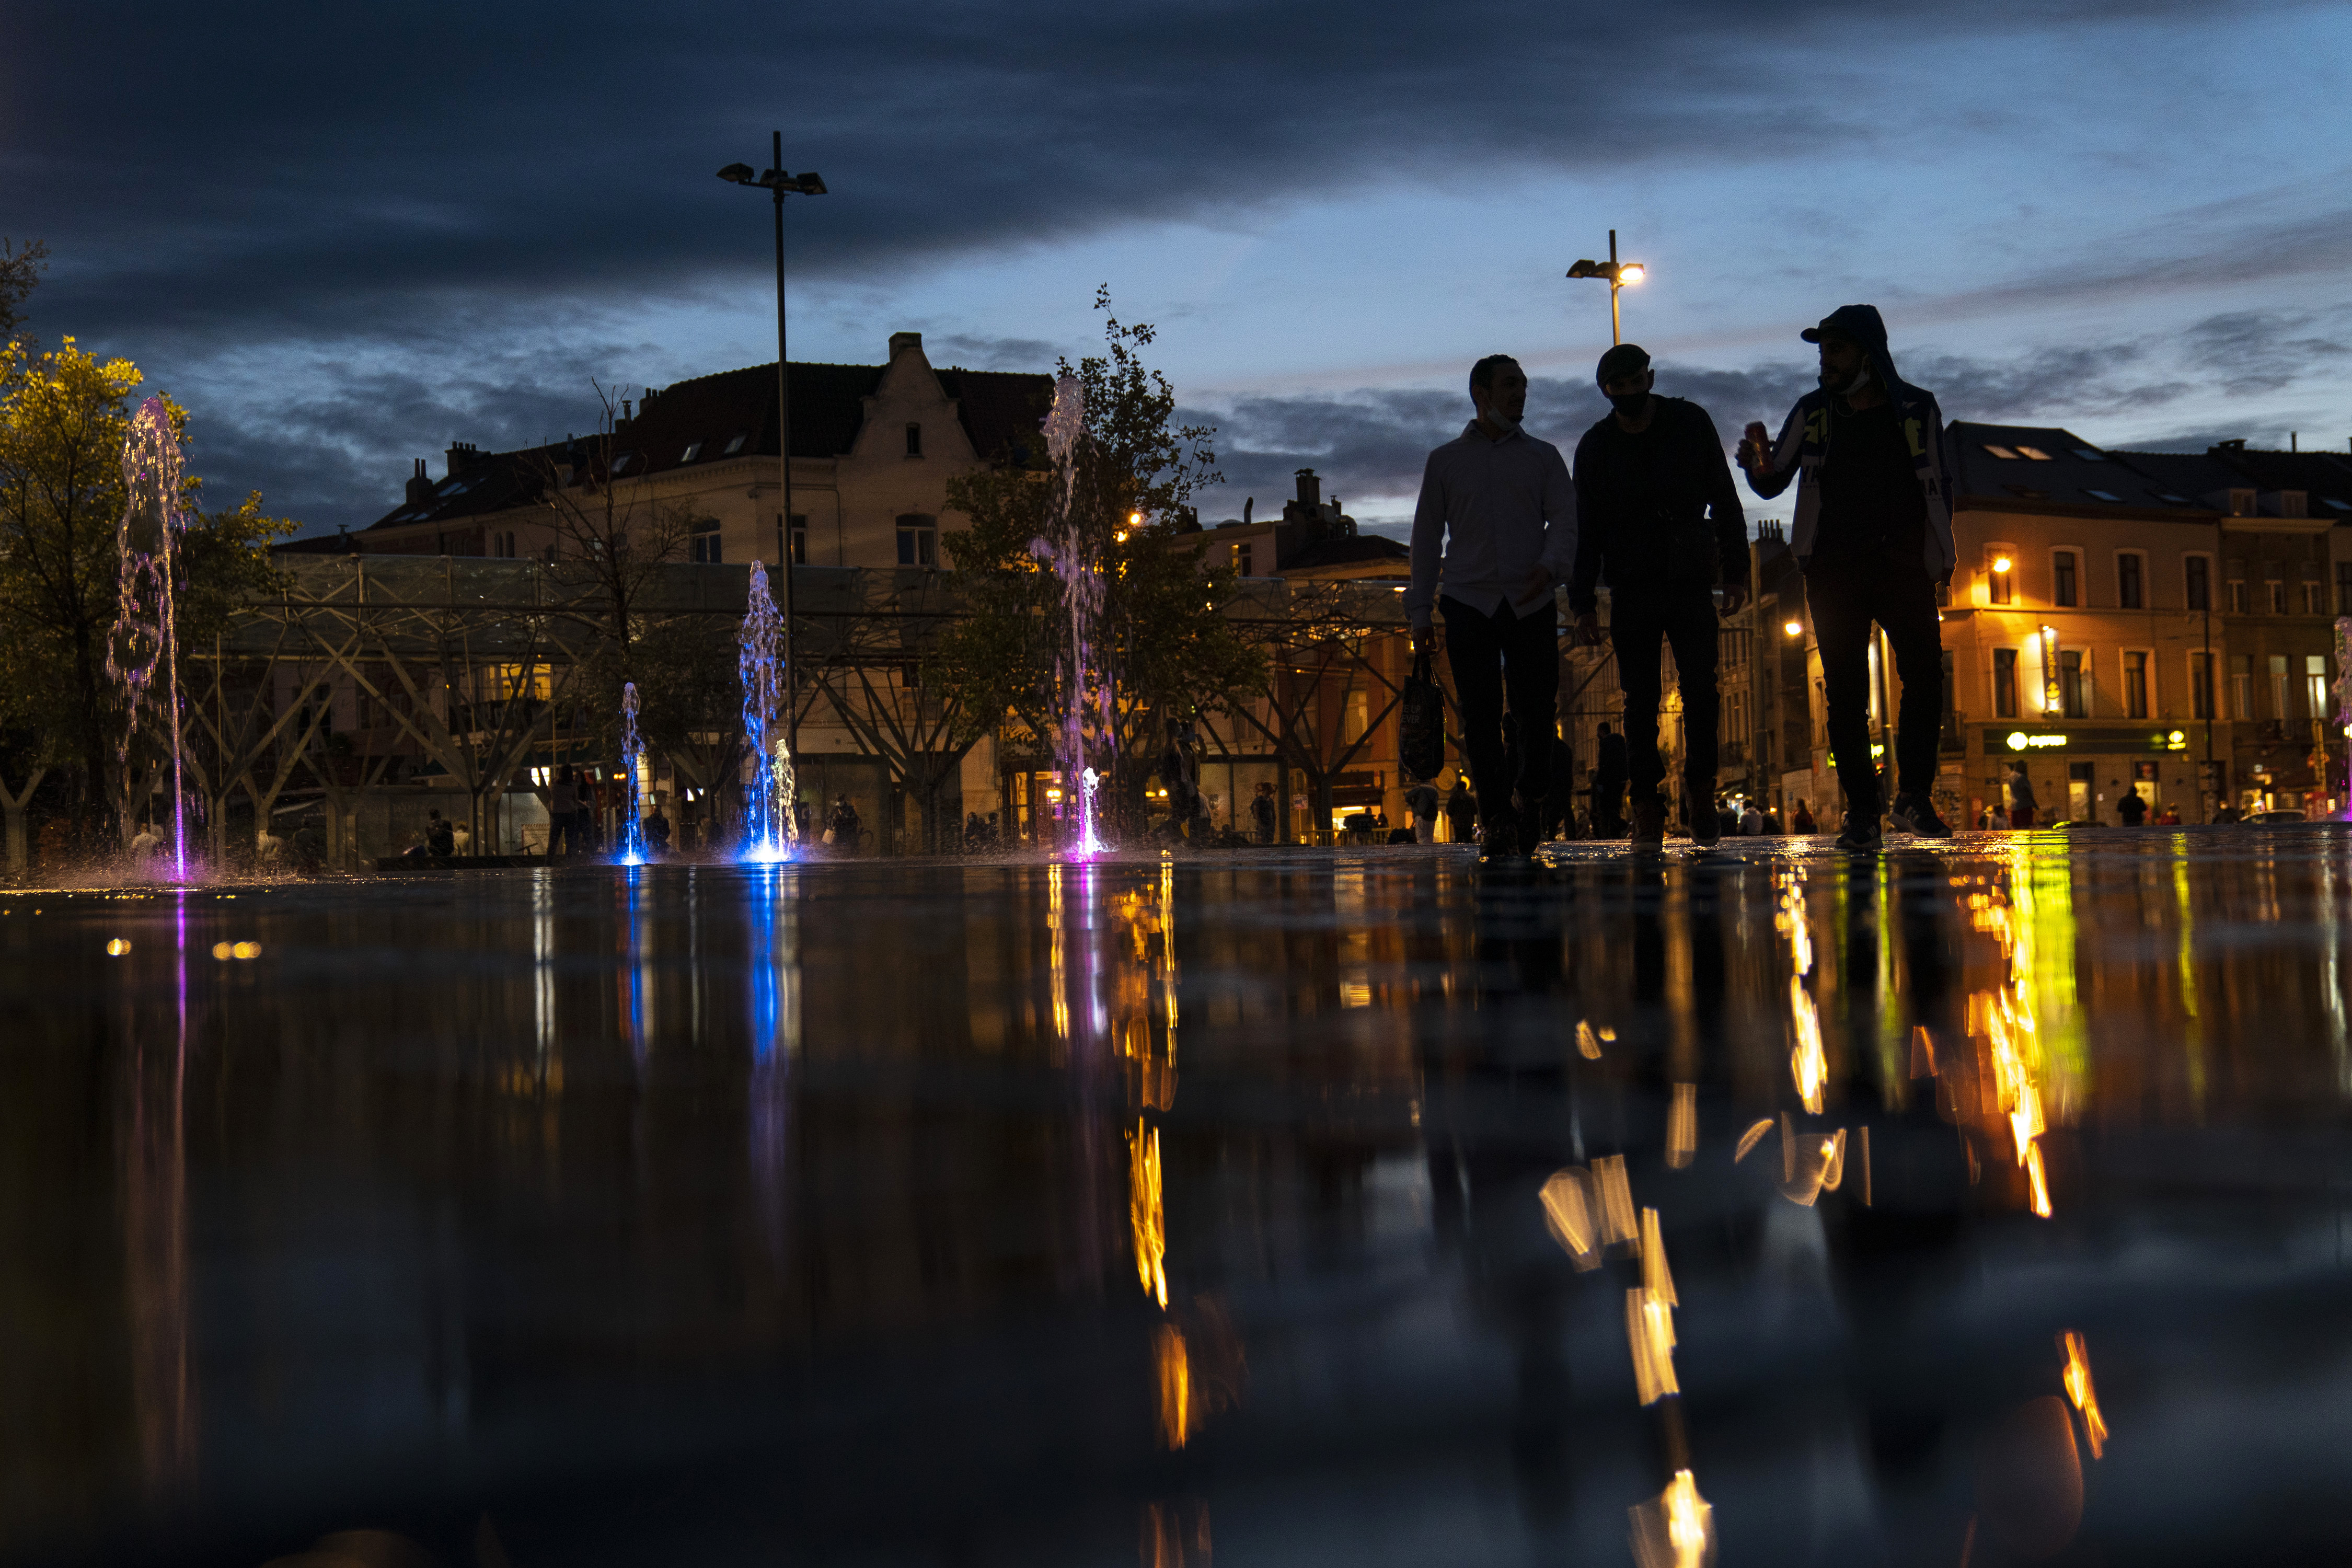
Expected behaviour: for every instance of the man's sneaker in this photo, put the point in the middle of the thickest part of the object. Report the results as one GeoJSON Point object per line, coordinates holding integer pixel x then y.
{"type": "Point", "coordinates": [1649, 822]}
{"type": "Point", "coordinates": [1916, 814]}
{"type": "Point", "coordinates": [1706, 827]}
{"type": "Point", "coordinates": [1860, 833]}
{"type": "Point", "coordinates": [1499, 843]}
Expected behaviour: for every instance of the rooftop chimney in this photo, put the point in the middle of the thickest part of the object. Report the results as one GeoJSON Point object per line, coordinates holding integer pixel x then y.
{"type": "Point", "coordinates": [1310, 490]}
{"type": "Point", "coordinates": [419, 487]}
{"type": "Point", "coordinates": [463, 455]}
{"type": "Point", "coordinates": [901, 341]}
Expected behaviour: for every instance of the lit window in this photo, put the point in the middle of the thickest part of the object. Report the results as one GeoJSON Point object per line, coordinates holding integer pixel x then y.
{"type": "Point", "coordinates": [2314, 683]}
{"type": "Point", "coordinates": [735, 445]}
{"type": "Point", "coordinates": [691, 453]}
{"type": "Point", "coordinates": [2002, 452]}
{"type": "Point", "coordinates": [2134, 686]}
{"type": "Point", "coordinates": [2036, 453]}
{"type": "Point", "coordinates": [2103, 495]}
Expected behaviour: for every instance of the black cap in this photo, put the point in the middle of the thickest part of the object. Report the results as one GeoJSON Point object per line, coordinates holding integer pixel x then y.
{"type": "Point", "coordinates": [1856, 323]}
{"type": "Point", "coordinates": [1625, 359]}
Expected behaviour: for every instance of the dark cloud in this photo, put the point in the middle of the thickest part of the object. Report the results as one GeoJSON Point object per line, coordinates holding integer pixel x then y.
{"type": "Point", "coordinates": [219, 185]}
{"type": "Point", "coordinates": [975, 353]}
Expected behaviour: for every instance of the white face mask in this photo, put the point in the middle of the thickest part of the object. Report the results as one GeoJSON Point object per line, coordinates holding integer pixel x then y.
{"type": "Point", "coordinates": [1501, 419]}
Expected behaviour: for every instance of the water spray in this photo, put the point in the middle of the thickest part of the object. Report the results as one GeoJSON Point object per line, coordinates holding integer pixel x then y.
{"type": "Point", "coordinates": [632, 831]}
{"type": "Point", "coordinates": [769, 827]}
{"type": "Point", "coordinates": [1062, 548]}
{"type": "Point", "coordinates": [145, 639]}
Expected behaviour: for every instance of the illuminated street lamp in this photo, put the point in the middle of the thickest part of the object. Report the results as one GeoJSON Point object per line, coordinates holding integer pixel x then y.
{"type": "Point", "coordinates": [2000, 564]}
{"type": "Point", "coordinates": [1794, 628]}
{"type": "Point", "coordinates": [781, 183]}
{"type": "Point", "coordinates": [1618, 274]}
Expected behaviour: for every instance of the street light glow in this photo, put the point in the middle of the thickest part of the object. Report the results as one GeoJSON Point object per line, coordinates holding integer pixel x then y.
{"type": "Point", "coordinates": [2000, 563]}
{"type": "Point", "coordinates": [1794, 628]}
{"type": "Point", "coordinates": [1630, 272]}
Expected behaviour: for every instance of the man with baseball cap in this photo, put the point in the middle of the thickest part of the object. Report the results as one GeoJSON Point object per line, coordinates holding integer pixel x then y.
{"type": "Point", "coordinates": [1658, 521]}
{"type": "Point", "coordinates": [1873, 532]}
{"type": "Point", "coordinates": [1496, 504]}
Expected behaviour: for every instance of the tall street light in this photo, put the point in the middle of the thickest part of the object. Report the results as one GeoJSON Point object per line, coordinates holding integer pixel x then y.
{"type": "Point", "coordinates": [1618, 274]}
{"type": "Point", "coordinates": [781, 183]}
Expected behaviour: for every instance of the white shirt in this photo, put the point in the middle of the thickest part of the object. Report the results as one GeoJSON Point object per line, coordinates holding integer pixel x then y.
{"type": "Point", "coordinates": [1494, 509]}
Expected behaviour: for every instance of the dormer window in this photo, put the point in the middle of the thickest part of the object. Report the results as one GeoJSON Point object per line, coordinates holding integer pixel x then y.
{"type": "Point", "coordinates": [2003, 453]}
{"type": "Point", "coordinates": [914, 440]}
{"type": "Point", "coordinates": [621, 463]}
{"type": "Point", "coordinates": [2241, 503]}
{"type": "Point", "coordinates": [2294, 503]}
{"type": "Point", "coordinates": [2036, 453]}
{"type": "Point", "coordinates": [691, 453]}
{"type": "Point", "coordinates": [735, 444]}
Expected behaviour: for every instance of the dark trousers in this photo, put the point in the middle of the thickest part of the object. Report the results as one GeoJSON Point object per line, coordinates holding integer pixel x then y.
{"type": "Point", "coordinates": [1639, 625]}
{"type": "Point", "coordinates": [1488, 655]}
{"type": "Point", "coordinates": [1846, 595]}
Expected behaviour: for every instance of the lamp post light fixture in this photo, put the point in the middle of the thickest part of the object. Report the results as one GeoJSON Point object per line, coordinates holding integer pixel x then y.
{"type": "Point", "coordinates": [1794, 628]}
{"type": "Point", "coordinates": [1618, 274]}
{"type": "Point", "coordinates": [776, 180]}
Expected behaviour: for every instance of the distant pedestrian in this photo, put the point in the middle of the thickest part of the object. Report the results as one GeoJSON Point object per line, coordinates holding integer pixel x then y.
{"type": "Point", "coordinates": [462, 838]}
{"type": "Point", "coordinates": [2132, 809]}
{"type": "Point", "coordinates": [2167, 815]}
{"type": "Point", "coordinates": [143, 846]}
{"type": "Point", "coordinates": [842, 832]}
{"type": "Point", "coordinates": [1265, 809]}
{"type": "Point", "coordinates": [656, 827]}
{"type": "Point", "coordinates": [268, 849]}
{"type": "Point", "coordinates": [1751, 822]}
{"type": "Point", "coordinates": [1801, 821]}
{"type": "Point", "coordinates": [1609, 785]}
{"type": "Point", "coordinates": [438, 839]}
{"type": "Point", "coordinates": [2226, 812]}
{"type": "Point", "coordinates": [2021, 796]}
{"type": "Point", "coordinates": [564, 812]}
{"type": "Point", "coordinates": [1421, 803]}
{"type": "Point", "coordinates": [1461, 811]}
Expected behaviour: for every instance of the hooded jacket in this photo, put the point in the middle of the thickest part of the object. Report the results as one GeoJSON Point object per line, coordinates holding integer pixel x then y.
{"type": "Point", "coordinates": [1803, 446]}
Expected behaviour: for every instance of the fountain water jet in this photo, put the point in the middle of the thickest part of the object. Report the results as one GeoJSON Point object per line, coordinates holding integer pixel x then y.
{"type": "Point", "coordinates": [1084, 687]}
{"type": "Point", "coordinates": [633, 832]}
{"type": "Point", "coordinates": [770, 828]}
{"type": "Point", "coordinates": [144, 642]}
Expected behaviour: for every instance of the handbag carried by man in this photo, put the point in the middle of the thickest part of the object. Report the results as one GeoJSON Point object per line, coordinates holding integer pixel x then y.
{"type": "Point", "coordinates": [1422, 723]}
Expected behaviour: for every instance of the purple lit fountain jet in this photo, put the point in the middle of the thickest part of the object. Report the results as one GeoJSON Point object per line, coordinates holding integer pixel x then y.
{"type": "Point", "coordinates": [145, 644]}
{"type": "Point", "coordinates": [1063, 547]}
{"type": "Point", "coordinates": [633, 832]}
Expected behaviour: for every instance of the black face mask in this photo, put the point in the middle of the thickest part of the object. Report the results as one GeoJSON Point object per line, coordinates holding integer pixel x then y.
{"type": "Point", "coordinates": [1629, 404]}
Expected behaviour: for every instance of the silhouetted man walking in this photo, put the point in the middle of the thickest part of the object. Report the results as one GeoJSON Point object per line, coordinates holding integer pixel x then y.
{"type": "Point", "coordinates": [1497, 505]}
{"type": "Point", "coordinates": [1659, 522]}
{"type": "Point", "coordinates": [1873, 532]}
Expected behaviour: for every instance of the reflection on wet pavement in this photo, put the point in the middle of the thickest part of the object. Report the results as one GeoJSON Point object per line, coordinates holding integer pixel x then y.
{"type": "Point", "coordinates": [1970, 1203]}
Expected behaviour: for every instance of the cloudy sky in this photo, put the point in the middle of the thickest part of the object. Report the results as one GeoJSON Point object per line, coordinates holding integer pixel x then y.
{"type": "Point", "coordinates": [346, 237]}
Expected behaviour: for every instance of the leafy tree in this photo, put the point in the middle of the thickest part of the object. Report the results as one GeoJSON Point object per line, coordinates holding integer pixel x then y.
{"type": "Point", "coordinates": [64, 413]}
{"type": "Point", "coordinates": [21, 267]}
{"type": "Point", "coordinates": [1162, 648]}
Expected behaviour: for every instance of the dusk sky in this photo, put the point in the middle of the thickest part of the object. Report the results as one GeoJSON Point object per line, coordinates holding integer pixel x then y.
{"type": "Point", "coordinates": [345, 238]}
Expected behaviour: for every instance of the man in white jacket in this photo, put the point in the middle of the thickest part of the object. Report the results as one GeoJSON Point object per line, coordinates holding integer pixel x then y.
{"type": "Point", "coordinates": [1493, 537]}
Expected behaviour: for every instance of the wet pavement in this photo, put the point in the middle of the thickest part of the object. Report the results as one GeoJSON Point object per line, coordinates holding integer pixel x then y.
{"type": "Point", "coordinates": [1981, 1202]}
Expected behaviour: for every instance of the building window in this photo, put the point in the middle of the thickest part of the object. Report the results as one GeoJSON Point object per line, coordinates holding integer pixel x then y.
{"type": "Point", "coordinates": [914, 440]}
{"type": "Point", "coordinates": [2074, 683]}
{"type": "Point", "coordinates": [2344, 587]}
{"type": "Point", "coordinates": [2062, 593]}
{"type": "Point", "coordinates": [2201, 583]}
{"type": "Point", "coordinates": [2004, 683]}
{"type": "Point", "coordinates": [2001, 576]}
{"type": "Point", "coordinates": [702, 544]}
{"type": "Point", "coordinates": [1240, 560]}
{"type": "Point", "coordinates": [2200, 685]}
{"type": "Point", "coordinates": [918, 539]}
{"type": "Point", "coordinates": [800, 540]}
{"type": "Point", "coordinates": [2315, 599]}
{"type": "Point", "coordinates": [2128, 574]}
{"type": "Point", "coordinates": [2314, 683]}
{"type": "Point", "coordinates": [2237, 597]}
{"type": "Point", "coordinates": [2277, 598]}
{"type": "Point", "coordinates": [2134, 686]}
{"type": "Point", "coordinates": [2278, 685]}
{"type": "Point", "coordinates": [2242, 686]}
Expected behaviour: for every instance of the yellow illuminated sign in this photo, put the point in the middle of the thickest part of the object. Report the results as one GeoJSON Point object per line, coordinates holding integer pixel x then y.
{"type": "Point", "coordinates": [2019, 740]}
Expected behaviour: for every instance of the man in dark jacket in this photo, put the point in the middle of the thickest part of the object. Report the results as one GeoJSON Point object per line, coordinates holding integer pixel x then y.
{"type": "Point", "coordinates": [1659, 522]}
{"type": "Point", "coordinates": [1873, 532]}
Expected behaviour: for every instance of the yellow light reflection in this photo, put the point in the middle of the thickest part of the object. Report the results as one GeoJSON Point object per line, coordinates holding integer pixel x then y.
{"type": "Point", "coordinates": [1650, 1331]}
{"type": "Point", "coordinates": [1617, 1222]}
{"type": "Point", "coordinates": [1174, 1366]}
{"type": "Point", "coordinates": [1682, 1127]}
{"type": "Point", "coordinates": [1175, 1535]}
{"type": "Point", "coordinates": [2079, 1390]}
{"type": "Point", "coordinates": [1587, 1044]}
{"type": "Point", "coordinates": [1572, 1216]}
{"type": "Point", "coordinates": [1656, 1279]}
{"type": "Point", "coordinates": [1148, 1219]}
{"type": "Point", "coordinates": [1057, 941]}
{"type": "Point", "coordinates": [1807, 1064]}
{"type": "Point", "coordinates": [1675, 1529]}
{"type": "Point", "coordinates": [116, 948]}
{"type": "Point", "coordinates": [1749, 1139]}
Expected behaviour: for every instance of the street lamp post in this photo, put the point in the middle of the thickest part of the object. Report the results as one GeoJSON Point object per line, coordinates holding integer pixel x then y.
{"type": "Point", "coordinates": [775, 180]}
{"type": "Point", "coordinates": [1618, 274]}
